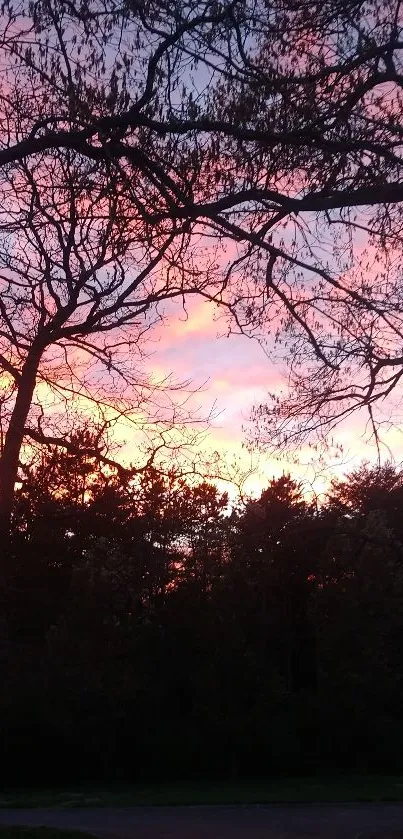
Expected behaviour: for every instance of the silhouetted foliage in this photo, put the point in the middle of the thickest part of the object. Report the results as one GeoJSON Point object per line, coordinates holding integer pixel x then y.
{"type": "Point", "coordinates": [150, 631]}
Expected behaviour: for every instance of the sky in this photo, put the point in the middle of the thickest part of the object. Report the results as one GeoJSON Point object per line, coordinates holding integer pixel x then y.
{"type": "Point", "coordinates": [231, 374]}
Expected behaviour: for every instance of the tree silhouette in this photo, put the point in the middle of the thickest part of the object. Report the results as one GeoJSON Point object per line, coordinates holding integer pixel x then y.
{"type": "Point", "coordinates": [216, 124]}
{"type": "Point", "coordinates": [80, 287]}
{"type": "Point", "coordinates": [141, 621]}
{"type": "Point", "coordinates": [278, 129]}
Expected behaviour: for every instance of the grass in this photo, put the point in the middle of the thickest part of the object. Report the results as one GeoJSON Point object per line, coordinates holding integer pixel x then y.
{"type": "Point", "coordinates": [343, 788]}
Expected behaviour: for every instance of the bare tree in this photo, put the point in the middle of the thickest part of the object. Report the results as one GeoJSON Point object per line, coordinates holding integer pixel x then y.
{"type": "Point", "coordinates": [81, 281]}
{"type": "Point", "coordinates": [273, 125]}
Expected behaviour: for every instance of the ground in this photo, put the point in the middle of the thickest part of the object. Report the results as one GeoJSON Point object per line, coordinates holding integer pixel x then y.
{"type": "Point", "coordinates": [305, 809]}
{"type": "Point", "coordinates": [341, 788]}
{"type": "Point", "coordinates": [360, 821]}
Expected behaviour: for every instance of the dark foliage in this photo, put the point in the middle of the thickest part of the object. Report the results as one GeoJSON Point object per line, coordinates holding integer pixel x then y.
{"type": "Point", "coordinates": [149, 632]}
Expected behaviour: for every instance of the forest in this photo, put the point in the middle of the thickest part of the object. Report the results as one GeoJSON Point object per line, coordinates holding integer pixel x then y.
{"type": "Point", "coordinates": [151, 630]}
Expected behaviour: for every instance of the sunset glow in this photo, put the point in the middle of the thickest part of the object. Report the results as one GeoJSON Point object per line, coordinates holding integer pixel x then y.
{"type": "Point", "coordinates": [231, 374]}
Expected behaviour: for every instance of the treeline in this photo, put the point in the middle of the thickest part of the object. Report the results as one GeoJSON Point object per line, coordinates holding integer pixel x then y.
{"type": "Point", "coordinates": [149, 631]}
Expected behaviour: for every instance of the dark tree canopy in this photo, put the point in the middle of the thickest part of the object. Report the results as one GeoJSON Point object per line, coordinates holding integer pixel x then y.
{"type": "Point", "coordinates": [152, 633]}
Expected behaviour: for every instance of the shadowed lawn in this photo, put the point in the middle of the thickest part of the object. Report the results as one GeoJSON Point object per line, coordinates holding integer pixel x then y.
{"type": "Point", "coordinates": [343, 788]}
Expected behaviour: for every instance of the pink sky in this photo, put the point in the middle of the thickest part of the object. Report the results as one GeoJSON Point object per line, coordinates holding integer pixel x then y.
{"type": "Point", "coordinates": [234, 374]}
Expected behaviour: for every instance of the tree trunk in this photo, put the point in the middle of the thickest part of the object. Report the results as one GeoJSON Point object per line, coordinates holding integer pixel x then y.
{"type": "Point", "coordinates": [14, 439]}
